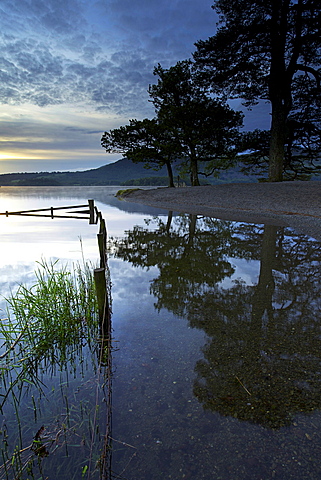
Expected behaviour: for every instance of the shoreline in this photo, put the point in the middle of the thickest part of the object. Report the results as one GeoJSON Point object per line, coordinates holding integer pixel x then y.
{"type": "Point", "coordinates": [294, 204]}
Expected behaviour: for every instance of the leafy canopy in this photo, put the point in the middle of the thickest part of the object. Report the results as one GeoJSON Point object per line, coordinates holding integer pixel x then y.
{"type": "Point", "coordinates": [189, 127]}
{"type": "Point", "coordinates": [271, 50]}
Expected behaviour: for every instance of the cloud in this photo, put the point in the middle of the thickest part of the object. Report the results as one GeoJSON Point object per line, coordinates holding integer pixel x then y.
{"type": "Point", "coordinates": [43, 17]}
{"type": "Point", "coordinates": [34, 74]}
{"type": "Point", "coordinates": [165, 30]}
{"type": "Point", "coordinates": [72, 69]}
{"type": "Point", "coordinates": [63, 52]}
{"type": "Point", "coordinates": [53, 138]}
{"type": "Point", "coordinates": [33, 137]}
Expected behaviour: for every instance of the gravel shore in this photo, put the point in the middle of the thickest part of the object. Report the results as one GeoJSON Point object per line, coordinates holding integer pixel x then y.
{"type": "Point", "coordinates": [294, 204]}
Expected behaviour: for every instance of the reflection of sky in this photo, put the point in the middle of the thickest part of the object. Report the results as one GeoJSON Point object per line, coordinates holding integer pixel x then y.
{"type": "Point", "coordinates": [132, 282]}
{"type": "Point", "coordinates": [27, 240]}
{"type": "Point", "coordinates": [246, 270]}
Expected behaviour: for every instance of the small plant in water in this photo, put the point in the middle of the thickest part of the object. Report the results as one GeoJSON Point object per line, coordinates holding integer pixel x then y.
{"type": "Point", "coordinates": [47, 327]}
{"type": "Point", "coordinates": [49, 322]}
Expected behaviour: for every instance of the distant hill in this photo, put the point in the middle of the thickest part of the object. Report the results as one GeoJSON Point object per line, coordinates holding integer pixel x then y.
{"type": "Point", "coordinates": [112, 174]}
{"type": "Point", "coordinates": [122, 172]}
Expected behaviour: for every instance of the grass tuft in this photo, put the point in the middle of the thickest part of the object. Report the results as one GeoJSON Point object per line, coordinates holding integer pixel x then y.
{"type": "Point", "coordinates": [125, 192]}
{"type": "Point", "coordinates": [48, 323]}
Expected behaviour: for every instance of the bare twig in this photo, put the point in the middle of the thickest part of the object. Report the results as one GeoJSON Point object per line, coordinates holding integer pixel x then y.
{"type": "Point", "coordinates": [237, 378]}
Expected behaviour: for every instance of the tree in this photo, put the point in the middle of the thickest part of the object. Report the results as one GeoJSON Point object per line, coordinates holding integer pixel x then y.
{"type": "Point", "coordinates": [204, 128]}
{"type": "Point", "coordinates": [270, 50]}
{"type": "Point", "coordinates": [143, 141]}
{"type": "Point", "coordinates": [190, 127]}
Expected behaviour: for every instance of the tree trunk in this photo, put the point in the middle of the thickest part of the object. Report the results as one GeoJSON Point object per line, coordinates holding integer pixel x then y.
{"type": "Point", "coordinates": [194, 171]}
{"type": "Point", "coordinates": [278, 88]}
{"type": "Point", "coordinates": [169, 221]}
{"type": "Point", "coordinates": [170, 174]}
{"type": "Point", "coordinates": [263, 295]}
{"type": "Point", "coordinates": [277, 142]}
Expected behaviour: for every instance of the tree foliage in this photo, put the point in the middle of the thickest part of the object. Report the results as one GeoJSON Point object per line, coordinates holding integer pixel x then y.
{"type": "Point", "coordinates": [271, 50]}
{"type": "Point", "coordinates": [190, 127]}
{"type": "Point", "coordinates": [205, 128]}
{"type": "Point", "coordinates": [144, 141]}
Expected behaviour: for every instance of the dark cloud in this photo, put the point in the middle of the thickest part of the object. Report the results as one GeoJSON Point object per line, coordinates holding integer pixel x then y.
{"type": "Point", "coordinates": [102, 53]}
{"type": "Point", "coordinates": [33, 74]}
{"type": "Point", "coordinates": [170, 26]}
{"type": "Point", "coordinates": [44, 16]}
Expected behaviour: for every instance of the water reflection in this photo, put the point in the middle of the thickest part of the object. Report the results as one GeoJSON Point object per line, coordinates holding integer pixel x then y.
{"type": "Point", "coordinates": [262, 356]}
{"type": "Point", "coordinates": [104, 195]}
{"type": "Point", "coordinates": [262, 359]}
{"type": "Point", "coordinates": [55, 365]}
{"type": "Point", "coordinates": [216, 336]}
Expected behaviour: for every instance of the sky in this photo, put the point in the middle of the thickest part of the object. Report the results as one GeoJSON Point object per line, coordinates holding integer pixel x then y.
{"type": "Point", "coordinates": [72, 69]}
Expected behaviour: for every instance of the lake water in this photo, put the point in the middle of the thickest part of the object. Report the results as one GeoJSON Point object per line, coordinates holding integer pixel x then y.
{"type": "Point", "coordinates": [216, 347]}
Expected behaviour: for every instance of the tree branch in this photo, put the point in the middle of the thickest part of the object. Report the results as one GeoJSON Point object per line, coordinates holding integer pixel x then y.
{"type": "Point", "coordinates": [308, 69]}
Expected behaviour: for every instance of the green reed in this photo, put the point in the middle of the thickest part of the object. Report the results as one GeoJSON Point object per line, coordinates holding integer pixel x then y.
{"type": "Point", "coordinates": [48, 323]}
{"type": "Point", "coordinates": [48, 326]}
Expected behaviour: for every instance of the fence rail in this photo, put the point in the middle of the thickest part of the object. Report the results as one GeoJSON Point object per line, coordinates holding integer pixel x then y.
{"type": "Point", "coordinates": [91, 213]}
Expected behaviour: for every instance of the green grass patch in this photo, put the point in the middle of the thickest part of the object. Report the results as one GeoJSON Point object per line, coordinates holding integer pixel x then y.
{"type": "Point", "coordinates": [48, 323]}
{"type": "Point", "coordinates": [52, 330]}
{"type": "Point", "coordinates": [125, 192]}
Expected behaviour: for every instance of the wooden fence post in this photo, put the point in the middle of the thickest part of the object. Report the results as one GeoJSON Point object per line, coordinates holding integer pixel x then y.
{"type": "Point", "coordinates": [103, 300]}
{"type": "Point", "coordinates": [102, 242]}
{"type": "Point", "coordinates": [91, 212]}
{"type": "Point", "coordinates": [102, 250]}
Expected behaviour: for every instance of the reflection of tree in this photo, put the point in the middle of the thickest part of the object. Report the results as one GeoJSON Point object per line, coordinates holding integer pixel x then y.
{"type": "Point", "coordinates": [191, 256]}
{"type": "Point", "coordinates": [262, 359]}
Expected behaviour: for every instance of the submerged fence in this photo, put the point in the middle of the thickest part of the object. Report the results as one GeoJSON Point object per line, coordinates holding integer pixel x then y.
{"type": "Point", "coordinates": [102, 285]}
{"type": "Point", "coordinates": [91, 212]}
{"type": "Point", "coordinates": [101, 274]}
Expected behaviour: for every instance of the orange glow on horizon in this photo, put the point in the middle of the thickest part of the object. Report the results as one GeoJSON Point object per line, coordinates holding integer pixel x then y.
{"type": "Point", "coordinates": [12, 156]}
{"type": "Point", "coordinates": [51, 154]}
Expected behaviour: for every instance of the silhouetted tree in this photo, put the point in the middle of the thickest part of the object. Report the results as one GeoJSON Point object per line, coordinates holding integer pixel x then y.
{"type": "Point", "coordinates": [145, 141]}
{"type": "Point", "coordinates": [271, 50]}
{"type": "Point", "coordinates": [190, 127]}
{"type": "Point", "coordinates": [205, 128]}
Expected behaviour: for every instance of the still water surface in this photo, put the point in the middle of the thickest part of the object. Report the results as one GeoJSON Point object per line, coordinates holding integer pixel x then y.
{"type": "Point", "coordinates": [216, 336]}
